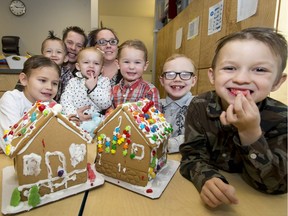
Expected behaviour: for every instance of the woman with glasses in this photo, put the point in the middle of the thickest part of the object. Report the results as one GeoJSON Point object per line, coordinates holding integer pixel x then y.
{"type": "Point", "coordinates": [106, 40]}
{"type": "Point", "coordinates": [178, 78]}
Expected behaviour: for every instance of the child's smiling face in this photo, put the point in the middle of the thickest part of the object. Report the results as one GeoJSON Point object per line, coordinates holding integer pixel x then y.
{"type": "Point", "coordinates": [132, 64]}
{"type": "Point", "coordinates": [247, 67]}
{"type": "Point", "coordinates": [177, 88]}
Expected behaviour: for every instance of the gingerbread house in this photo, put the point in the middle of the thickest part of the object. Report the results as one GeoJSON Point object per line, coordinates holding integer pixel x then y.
{"type": "Point", "coordinates": [49, 151]}
{"type": "Point", "coordinates": [132, 143]}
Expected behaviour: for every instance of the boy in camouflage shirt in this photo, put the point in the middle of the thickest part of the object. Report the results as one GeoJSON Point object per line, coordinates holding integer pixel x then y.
{"type": "Point", "coordinates": [237, 128]}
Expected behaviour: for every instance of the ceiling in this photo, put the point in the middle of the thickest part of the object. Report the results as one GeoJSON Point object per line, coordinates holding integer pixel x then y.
{"type": "Point", "coordinates": [139, 8]}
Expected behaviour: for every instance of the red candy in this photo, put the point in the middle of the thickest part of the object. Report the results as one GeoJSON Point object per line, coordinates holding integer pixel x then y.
{"type": "Point", "coordinates": [41, 107]}
{"type": "Point", "coordinates": [91, 174]}
{"type": "Point", "coordinates": [147, 106]}
{"type": "Point", "coordinates": [149, 190]}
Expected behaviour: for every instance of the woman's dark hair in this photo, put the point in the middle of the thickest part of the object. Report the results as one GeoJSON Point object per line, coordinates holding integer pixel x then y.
{"type": "Point", "coordinates": [93, 35]}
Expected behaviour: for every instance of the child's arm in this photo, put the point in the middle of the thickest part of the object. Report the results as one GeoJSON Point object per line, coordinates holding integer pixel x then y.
{"type": "Point", "coordinates": [12, 106]}
{"type": "Point", "coordinates": [68, 96]}
{"type": "Point", "coordinates": [195, 156]}
{"type": "Point", "coordinates": [10, 110]}
{"type": "Point", "coordinates": [264, 157]}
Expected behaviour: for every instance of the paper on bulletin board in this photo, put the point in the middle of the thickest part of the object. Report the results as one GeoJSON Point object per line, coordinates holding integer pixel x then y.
{"type": "Point", "coordinates": [193, 28]}
{"type": "Point", "coordinates": [179, 34]}
{"type": "Point", "coordinates": [246, 9]}
{"type": "Point", "coordinates": [215, 18]}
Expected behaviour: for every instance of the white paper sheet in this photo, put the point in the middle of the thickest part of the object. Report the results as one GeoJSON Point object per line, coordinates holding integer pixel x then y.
{"type": "Point", "coordinates": [193, 28]}
{"type": "Point", "coordinates": [179, 38]}
{"type": "Point", "coordinates": [215, 18]}
{"type": "Point", "coordinates": [16, 62]}
{"type": "Point", "coordinates": [246, 9]}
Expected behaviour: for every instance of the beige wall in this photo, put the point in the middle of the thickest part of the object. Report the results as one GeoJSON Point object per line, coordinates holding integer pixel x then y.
{"type": "Point", "coordinates": [132, 28]}
{"type": "Point", "coordinates": [281, 94]}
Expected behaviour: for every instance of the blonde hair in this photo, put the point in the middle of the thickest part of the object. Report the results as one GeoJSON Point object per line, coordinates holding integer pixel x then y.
{"type": "Point", "coordinates": [178, 55]}
{"type": "Point", "coordinates": [136, 44]}
{"type": "Point", "coordinates": [93, 49]}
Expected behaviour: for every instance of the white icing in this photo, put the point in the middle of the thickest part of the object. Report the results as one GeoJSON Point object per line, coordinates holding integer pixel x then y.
{"type": "Point", "coordinates": [119, 167]}
{"type": "Point", "coordinates": [31, 164]}
{"type": "Point", "coordinates": [49, 182]}
{"type": "Point", "coordinates": [134, 149]}
{"type": "Point", "coordinates": [57, 108]}
{"type": "Point", "coordinates": [77, 153]}
{"type": "Point", "coordinates": [62, 159]}
{"type": "Point", "coordinates": [99, 161]}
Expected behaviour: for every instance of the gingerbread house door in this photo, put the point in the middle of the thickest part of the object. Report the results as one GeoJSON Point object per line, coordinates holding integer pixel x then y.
{"type": "Point", "coordinates": [56, 165]}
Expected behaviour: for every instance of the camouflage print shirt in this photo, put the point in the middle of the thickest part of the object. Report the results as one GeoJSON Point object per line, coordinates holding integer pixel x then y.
{"type": "Point", "coordinates": [210, 146]}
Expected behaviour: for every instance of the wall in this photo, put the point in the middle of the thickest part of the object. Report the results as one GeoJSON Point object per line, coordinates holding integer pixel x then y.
{"type": "Point", "coordinates": [132, 28]}
{"type": "Point", "coordinates": [42, 16]}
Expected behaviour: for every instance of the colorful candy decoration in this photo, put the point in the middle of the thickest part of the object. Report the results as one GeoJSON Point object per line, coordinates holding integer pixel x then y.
{"type": "Point", "coordinates": [151, 122]}
{"type": "Point", "coordinates": [27, 122]}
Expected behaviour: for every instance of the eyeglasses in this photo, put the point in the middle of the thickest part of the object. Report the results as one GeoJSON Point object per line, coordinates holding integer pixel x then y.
{"type": "Point", "coordinates": [171, 75]}
{"type": "Point", "coordinates": [103, 42]}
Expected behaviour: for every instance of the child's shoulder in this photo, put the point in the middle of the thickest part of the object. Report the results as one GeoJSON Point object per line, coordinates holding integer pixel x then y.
{"type": "Point", "coordinates": [275, 106]}
{"type": "Point", "coordinates": [15, 93]}
{"type": "Point", "coordinates": [273, 102]}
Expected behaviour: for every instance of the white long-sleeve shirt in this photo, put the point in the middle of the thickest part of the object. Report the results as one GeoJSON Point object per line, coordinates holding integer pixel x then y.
{"type": "Point", "coordinates": [13, 105]}
{"type": "Point", "coordinates": [76, 96]}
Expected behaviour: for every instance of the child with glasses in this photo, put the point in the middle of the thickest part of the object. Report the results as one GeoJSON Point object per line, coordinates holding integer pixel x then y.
{"type": "Point", "coordinates": [132, 62]}
{"type": "Point", "coordinates": [178, 78]}
{"type": "Point", "coordinates": [237, 127]}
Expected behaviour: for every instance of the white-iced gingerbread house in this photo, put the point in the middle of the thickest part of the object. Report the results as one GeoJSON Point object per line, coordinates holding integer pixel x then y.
{"type": "Point", "coordinates": [49, 151]}
{"type": "Point", "coordinates": [132, 143]}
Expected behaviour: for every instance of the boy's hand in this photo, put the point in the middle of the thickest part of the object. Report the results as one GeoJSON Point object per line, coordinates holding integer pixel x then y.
{"type": "Point", "coordinates": [215, 192]}
{"type": "Point", "coordinates": [91, 82]}
{"type": "Point", "coordinates": [244, 115]}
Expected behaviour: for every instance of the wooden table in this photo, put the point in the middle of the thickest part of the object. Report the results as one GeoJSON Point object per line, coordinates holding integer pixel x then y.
{"type": "Point", "coordinates": [179, 198]}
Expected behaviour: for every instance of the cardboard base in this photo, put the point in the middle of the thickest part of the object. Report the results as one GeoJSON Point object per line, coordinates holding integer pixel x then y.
{"type": "Point", "coordinates": [155, 188]}
{"type": "Point", "coordinates": [9, 182]}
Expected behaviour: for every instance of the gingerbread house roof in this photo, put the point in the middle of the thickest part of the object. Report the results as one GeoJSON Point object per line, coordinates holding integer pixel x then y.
{"type": "Point", "coordinates": [21, 134]}
{"type": "Point", "coordinates": [149, 121]}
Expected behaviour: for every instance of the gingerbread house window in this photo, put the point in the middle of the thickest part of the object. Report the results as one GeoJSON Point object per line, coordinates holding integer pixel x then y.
{"type": "Point", "coordinates": [77, 153]}
{"type": "Point", "coordinates": [31, 164]}
{"type": "Point", "coordinates": [138, 151]}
